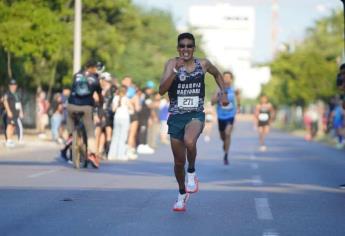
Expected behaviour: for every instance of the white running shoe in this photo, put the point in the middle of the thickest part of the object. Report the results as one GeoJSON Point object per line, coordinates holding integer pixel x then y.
{"type": "Point", "coordinates": [192, 183]}
{"type": "Point", "coordinates": [131, 153]}
{"type": "Point", "coordinates": [180, 204]}
{"type": "Point", "coordinates": [145, 149]}
{"type": "Point", "coordinates": [263, 148]}
{"type": "Point", "coordinates": [10, 144]}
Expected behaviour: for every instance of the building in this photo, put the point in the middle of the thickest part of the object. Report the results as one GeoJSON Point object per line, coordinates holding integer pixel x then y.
{"type": "Point", "coordinates": [228, 34]}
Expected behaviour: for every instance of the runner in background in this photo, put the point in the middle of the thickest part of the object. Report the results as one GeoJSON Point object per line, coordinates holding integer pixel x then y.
{"type": "Point", "coordinates": [264, 114]}
{"type": "Point", "coordinates": [226, 114]}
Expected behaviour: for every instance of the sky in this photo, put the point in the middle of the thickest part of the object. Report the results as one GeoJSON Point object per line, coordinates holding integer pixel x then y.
{"type": "Point", "coordinates": [294, 17]}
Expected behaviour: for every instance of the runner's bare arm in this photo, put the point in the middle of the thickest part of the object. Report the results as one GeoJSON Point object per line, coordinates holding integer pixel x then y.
{"type": "Point", "coordinates": [215, 98]}
{"type": "Point", "coordinates": [256, 113]}
{"type": "Point", "coordinates": [210, 68]}
{"type": "Point", "coordinates": [168, 77]}
{"type": "Point", "coordinates": [273, 113]}
{"type": "Point", "coordinates": [238, 100]}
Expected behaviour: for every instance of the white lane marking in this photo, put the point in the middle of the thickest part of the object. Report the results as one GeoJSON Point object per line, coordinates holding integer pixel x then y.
{"type": "Point", "coordinates": [270, 233]}
{"type": "Point", "coordinates": [254, 166]}
{"type": "Point", "coordinates": [263, 209]}
{"type": "Point", "coordinates": [42, 173]}
{"type": "Point", "coordinates": [257, 180]}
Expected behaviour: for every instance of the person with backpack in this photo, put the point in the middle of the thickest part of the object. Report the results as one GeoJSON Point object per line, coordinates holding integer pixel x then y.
{"type": "Point", "coordinates": [85, 91]}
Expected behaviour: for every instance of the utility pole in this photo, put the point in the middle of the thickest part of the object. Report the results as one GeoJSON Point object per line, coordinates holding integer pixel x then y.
{"type": "Point", "coordinates": [77, 36]}
{"type": "Point", "coordinates": [275, 26]}
{"type": "Point", "coordinates": [343, 1]}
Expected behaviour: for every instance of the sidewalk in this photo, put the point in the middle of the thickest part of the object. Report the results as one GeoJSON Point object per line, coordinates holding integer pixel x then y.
{"type": "Point", "coordinates": [30, 141]}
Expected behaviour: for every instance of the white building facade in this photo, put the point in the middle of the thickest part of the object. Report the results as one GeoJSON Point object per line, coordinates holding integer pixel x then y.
{"type": "Point", "coordinates": [228, 34]}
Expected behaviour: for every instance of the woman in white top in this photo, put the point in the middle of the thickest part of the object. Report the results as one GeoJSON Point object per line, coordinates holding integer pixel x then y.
{"type": "Point", "coordinates": [122, 108]}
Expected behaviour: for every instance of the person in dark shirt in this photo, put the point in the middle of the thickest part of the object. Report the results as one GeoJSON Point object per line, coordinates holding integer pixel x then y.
{"type": "Point", "coordinates": [104, 126]}
{"type": "Point", "coordinates": [85, 92]}
{"type": "Point", "coordinates": [14, 111]}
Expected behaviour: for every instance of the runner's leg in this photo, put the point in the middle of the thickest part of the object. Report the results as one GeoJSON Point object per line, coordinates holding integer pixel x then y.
{"type": "Point", "coordinates": [192, 133]}
{"type": "Point", "coordinates": [227, 140]}
{"type": "Point", "coordinates": [179, 152]}
{"type": "Point", "coordinates": [261, 135]}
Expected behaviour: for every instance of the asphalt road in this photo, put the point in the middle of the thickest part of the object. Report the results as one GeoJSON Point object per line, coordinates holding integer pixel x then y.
{"type": "Point", "coordinates": [289, 190]}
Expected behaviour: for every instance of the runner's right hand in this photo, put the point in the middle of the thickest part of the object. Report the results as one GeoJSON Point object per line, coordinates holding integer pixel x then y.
{"type": "Point", "coordinates": [179, 62]}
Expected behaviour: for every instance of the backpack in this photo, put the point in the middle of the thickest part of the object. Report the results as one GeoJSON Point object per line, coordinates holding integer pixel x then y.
{"type": "Point", "coordinates": [82, 86]}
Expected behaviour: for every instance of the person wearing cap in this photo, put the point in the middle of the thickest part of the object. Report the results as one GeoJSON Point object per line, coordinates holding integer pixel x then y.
{"type": "Point", "coordinates": [184, 80]}
{"type": "Point", "coordinates": [14, 111]}
{"type": "Point", "coordinates": [85, 92]}
{"type": "Point", "coordinates": [122, 108]}
{"type": "Point", "coordinates": [104, 126]}
{"type": "Point", "coordinates": [134, 100]}
{"type": "Point", "coordinates": [144, 115]}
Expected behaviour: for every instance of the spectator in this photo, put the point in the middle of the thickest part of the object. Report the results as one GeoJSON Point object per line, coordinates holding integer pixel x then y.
{"type": "Point", "coordinates": [163, 117]}
{"type": "Point", "coordinates": [144, 115]}
{"type": "Point", "coordinates": [337, 117]}
{"type": "Point", "coordinates": [154, 124]}
{"type": "Point", "coordinates": [66, 92]}
{"type": "Point", "coordinates": [57, 118]}
{"type": "Point", "coordinates": [14, 112]}
{"type": "Point", "coordinates": [122, 108]}
{"type": "Point", "coordinates": [2, 113]}
{"type": "Point", "coordinates": [42, 118]}
{"type": "Point", "coordinates": [311, 119]}
{"type": "Point", "coordinates": [104, 131]}
{"type": "Point", "coordinates": [134, 99]}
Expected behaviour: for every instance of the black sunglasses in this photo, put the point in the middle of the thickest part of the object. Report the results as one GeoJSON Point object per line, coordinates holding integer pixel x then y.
{"type": "Point", "coordinates": [186, 45]}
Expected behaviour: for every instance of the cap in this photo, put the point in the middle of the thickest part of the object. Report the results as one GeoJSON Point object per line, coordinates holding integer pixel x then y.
{"type": "Point", "coordinates": [106, 76]}
{"type": "Point", "coordinates": [12, 82]}
{"type": "Point", "coordinates": [150, 84]}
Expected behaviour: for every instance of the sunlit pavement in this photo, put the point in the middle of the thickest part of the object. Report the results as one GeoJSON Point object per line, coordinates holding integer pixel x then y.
{"type": "Point", "coordinates": [291, 189]}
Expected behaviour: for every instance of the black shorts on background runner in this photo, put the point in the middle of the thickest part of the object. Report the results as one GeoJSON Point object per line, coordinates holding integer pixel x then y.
{"type": "Point", "coordinates": [223, 123]}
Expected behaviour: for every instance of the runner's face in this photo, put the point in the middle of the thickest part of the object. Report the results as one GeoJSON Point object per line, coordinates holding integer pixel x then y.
{"type": "Point", "coordinates": [227, 80]}
{"type": "Point", "coordinates": [264, 100]}
{"type": "Point", "coordinates": [185, 49]}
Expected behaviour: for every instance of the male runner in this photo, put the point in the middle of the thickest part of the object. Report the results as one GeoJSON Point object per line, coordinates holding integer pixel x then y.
{"type": "Point", "coordinates": [183, 79]}
{"type": "Point", "coordinates": [226, 114]}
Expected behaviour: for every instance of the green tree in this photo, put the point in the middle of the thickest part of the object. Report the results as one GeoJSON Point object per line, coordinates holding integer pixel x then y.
{"type": "Point", "coordinates": [307, 73]}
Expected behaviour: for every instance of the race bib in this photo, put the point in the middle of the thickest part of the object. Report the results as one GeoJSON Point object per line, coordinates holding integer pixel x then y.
{"type": "Point", "coordinates": [18, 105]}
{"type": "Point", "coordinates": [263, 117]}
{"type": "Point", "coordinates": [188, 102]}
{"type": "Point", "coordinates": [228, 107]}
